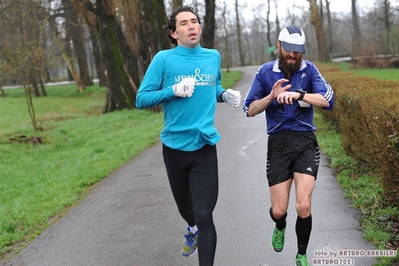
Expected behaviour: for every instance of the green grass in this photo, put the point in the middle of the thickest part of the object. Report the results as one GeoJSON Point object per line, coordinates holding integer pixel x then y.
{"type": "Point", "coordinates": [383, 74]}
{"type": "Point", "coordinates": [389, 74]}
{"type": "Point", "coordinates": [230, 78]}
{"type": "Point", "coordinates": [38, 183]}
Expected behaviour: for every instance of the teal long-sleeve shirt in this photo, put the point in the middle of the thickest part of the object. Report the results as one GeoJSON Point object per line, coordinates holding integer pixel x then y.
{"type": "Point", "coordinates": [188, 122]}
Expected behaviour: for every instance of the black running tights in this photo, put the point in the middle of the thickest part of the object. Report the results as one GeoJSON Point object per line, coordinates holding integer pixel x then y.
{"type": "Point", "coordinates": [193, 179]}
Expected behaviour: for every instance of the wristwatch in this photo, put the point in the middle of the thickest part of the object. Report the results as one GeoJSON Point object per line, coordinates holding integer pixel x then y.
{"type": "Point", "coordinates": [302, 93]}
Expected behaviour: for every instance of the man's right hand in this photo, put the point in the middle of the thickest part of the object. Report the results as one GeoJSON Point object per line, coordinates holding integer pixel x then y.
{"type": "Point", "coordinates": [278, 89]}
{"type": "Point", "coordinates": [185, 88]}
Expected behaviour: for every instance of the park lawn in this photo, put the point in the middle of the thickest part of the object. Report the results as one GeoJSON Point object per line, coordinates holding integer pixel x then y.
{"type": "Point", "coordinates": [390, 74]}
{"type": "Point", "coordinates": [383, 74]}
{"type": "Point", "coordinates": [81, 146]}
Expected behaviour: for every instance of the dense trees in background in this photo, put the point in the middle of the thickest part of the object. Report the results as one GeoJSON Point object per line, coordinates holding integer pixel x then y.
{"type": "Point", "coordinates": [115, 40]}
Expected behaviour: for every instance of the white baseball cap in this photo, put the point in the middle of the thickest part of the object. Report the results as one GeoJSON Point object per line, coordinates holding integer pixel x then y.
{"type": "Point", "coordinates": [292, 39]}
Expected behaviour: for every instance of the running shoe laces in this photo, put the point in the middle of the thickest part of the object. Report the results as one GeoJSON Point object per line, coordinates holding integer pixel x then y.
{"type": "Point", "coordinates": [278, 239]}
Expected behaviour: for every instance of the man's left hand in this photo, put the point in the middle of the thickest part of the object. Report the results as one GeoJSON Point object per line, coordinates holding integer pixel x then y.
{"type": "Point", "coordinates": [232, 97]}
{"type": "Point", "coordinates": [287, 97]}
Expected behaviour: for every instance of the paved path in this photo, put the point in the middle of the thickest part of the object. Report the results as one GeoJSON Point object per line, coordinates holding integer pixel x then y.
{"type": "Point", "coordinates": [130, 217]}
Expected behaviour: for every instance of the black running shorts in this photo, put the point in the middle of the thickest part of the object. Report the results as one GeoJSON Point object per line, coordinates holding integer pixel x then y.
{"type": "Point", "coordinates": [289, 152]}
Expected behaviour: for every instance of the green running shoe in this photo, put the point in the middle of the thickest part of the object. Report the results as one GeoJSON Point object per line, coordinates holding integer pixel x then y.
{"type": "Point", "coordinates": [278, 239]}
{"type": "Point", "coordinates": [190, 244]}
{"type": "Point", "coordinates": [301, 260]}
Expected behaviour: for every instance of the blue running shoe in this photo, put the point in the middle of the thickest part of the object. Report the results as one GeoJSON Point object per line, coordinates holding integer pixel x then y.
{"type": "Point", "coordinates": [190, 244]}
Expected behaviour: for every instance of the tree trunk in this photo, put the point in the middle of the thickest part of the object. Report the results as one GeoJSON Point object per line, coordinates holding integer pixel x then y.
{"type": "Point", "coordinates": [81, 57]}
{"type": "Point", "coordinates": [318, 26]}
{"type": "Point", "coordinates": [35, 88]}
{"type": "Point", "coordinates": [120, 88]}
{"type": "Point", "coordinates": [42, 88]}
{"type": "Point", "coordinates": [100, 69]}
{"type": "Point", "coordinates": [68, 34]}
{"type": "Point", "coordinates": [75, 33]}
{"type": "Point", "coordinates": [388, 48]}
{"type": "Point", "coordinates": [330, 39]}
{"type": "Point", "coordinates": [249, 50]}
{"type": "Point", "coordinates": [176, 4]}
{"type": "Point", "coordinates": [68, 51]}
{"type": "Point", "coordinates": [241, 53]}
{"type": "Point", "coordinates": [67, 59]}
{"type": "Point", "coordinates": [278, 27]}
{"type": "Point", "coordinates": [356, 44]}
{"type": "Point", "coordinates": [226, 39]}
{"type": "Point", "coordinates": [208, 35]}
{"type": "Point", "coordinates": [141, 17]}
{"type": "Point", "coordinates": [31, 108]}
{"type": "Point", "coordinates": [269, 42]}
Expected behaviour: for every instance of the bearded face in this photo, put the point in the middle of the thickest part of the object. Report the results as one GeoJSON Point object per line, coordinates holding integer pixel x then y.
{"type": "Point", "coordinates": [289, 62]}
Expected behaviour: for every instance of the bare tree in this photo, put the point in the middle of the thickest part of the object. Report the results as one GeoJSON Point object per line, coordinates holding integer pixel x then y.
{"type": "Point", "coordinates": [278, 27]}
{"type": "Point", "coordinates": [2, 70]}
{"type": "Point", "coordinates": [22, 27]}
{"type": "Point", "coordinates": [386, 6]}
{"type": "Point", "coordinates": [139, 18]}
{"type": "Point", "coordinates": [98, 61]}
{"type": "Point", "coordinates": [238, 31]}
{"type": "Point", "coordinates": [316, 21]}
{"type": "Point", "coordinates": [330, 34]}
{"type": "Point", "coordinates": [67, 58]}
{"type": "Point", "coordinates": [75, 38]}
{"type": "Point", "coordinates": [268, 24]}
{"type": "Point", "coordinates": [100, 16]}
{"type": "Point", "coordinates": [356, 44]}
{"type": "Point", "coordinates": [209, 24]}
{"type": "Point", "coordinates": [226, 38]}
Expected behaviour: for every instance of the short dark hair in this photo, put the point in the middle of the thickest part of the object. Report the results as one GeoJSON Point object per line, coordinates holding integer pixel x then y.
{"type": "Point", "coordinates": [171, 26]}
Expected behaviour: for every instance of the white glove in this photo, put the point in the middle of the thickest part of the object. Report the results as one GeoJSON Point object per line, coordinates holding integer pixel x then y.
{"type": "Point", "coordinates": [184, 88]}
{"type": "Point", "coordinates": [232, 97]}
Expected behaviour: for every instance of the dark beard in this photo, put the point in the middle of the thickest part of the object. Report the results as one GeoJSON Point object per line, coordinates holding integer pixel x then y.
{"type": "Point", "coordinates": [289, 68]}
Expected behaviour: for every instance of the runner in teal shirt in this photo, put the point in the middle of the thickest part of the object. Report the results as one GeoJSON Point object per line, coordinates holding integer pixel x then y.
{"type": "Point", "coordinates": [185, 80]}
{"type": "Point", "coordinates": [189, 121]}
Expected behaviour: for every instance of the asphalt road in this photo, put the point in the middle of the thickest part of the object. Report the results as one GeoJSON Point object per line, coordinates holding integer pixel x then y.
{"type": "Point", "coordinates": [130, 218]}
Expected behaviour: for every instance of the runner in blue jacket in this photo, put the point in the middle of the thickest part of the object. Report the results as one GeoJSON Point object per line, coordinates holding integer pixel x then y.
{"type": "Point", "coordinates": [186, 81]}
{"type": "Point", "coordinates": [287, 89]}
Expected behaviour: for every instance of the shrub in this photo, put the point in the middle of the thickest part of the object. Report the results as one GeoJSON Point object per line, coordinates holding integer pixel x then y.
{"type": "Point", "coordinates": [366, 113]}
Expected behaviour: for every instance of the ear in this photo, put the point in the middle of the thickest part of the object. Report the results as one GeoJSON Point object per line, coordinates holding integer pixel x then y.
{"type": "Point", "coordinates": [279, 45]}
{"type": "Point", "coordinates": [173, 34]}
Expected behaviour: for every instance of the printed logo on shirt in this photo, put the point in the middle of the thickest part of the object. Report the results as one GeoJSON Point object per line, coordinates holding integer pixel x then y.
{"type": "Point", "coordinates": [303, 75]}
{"type": "Point", "coordinates": [202, 79]}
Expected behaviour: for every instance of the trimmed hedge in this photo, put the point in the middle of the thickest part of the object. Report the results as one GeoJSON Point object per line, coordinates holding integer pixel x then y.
{"type": "Point", "coordinates": [366, 113]}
